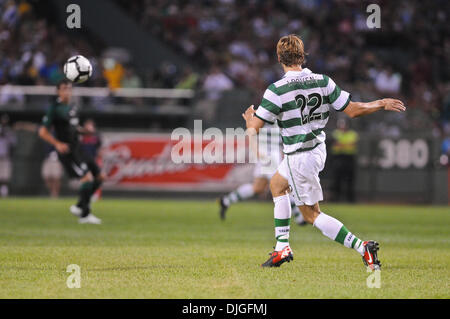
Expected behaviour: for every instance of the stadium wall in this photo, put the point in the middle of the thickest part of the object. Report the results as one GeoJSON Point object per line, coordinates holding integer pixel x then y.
{"type": "Point", "coordinates": [401, 170]}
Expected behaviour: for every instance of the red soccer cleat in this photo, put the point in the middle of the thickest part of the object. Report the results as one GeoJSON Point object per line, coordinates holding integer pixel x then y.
{"type": "Point", "coordinates": [278, 257]}
{"type": "Point", "coordinates": [370, 258]}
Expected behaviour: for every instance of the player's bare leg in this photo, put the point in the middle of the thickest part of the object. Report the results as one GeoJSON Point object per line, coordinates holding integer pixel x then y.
{"type": "Point", "coordinates": [77, 209]}
{"type": "Point", "coordinates": [89, 185]}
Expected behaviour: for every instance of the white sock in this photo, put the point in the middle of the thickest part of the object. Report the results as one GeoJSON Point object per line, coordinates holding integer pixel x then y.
{"type": "Point", "coordinates": [242, 192]}
{"type": "Point", "coordinates": [329, 226]}
{"type": "Point", "coordinates": [335, 230]}
{"type": "Point", "coordinates": [282, 216]}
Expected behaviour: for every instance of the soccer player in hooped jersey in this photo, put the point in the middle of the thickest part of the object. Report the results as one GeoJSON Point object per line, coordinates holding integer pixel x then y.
{"type": "Point", "coordinates": [300, 103]}
{"type": "Point", "coordinates": [63, 118]}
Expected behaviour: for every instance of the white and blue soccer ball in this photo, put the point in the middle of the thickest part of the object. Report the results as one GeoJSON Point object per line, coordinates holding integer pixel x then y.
{"type": "Point", "coordinates": [78, 69]}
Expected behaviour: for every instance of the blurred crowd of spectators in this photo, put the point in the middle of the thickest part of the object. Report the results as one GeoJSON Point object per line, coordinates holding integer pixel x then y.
{"type": "Point", "coordinates": [231, 43]}
{"type": "Point", "coordinates": [33, 51]}
{"type": "Point", "coordinates": [234, 42]}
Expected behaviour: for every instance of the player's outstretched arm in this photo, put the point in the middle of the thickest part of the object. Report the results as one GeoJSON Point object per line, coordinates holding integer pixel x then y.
{"type": "Point", "coordinates": [48, 137]}
{"type": "Point", "coordinates": [356, 109]}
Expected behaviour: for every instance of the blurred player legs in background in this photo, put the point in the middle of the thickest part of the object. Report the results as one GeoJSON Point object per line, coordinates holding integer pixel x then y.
{"type": "Point", "coordinates": [52, 172]}
{"type": "Point", "coordinates": [90, 144]}
{"type": "Point", "coordinates": [249, 190]}
{"type": "Point", "coordinates": [5, 175]}
{"type": "Point", "coordinates": [7, 141]}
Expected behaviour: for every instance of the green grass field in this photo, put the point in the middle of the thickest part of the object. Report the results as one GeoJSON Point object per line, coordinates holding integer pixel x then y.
{"type": "Point", "coordinates": [180, 249]}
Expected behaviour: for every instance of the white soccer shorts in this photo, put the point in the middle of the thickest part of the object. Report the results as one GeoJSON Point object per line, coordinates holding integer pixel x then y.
{"type": "Point", "coordinates": [302, 172]}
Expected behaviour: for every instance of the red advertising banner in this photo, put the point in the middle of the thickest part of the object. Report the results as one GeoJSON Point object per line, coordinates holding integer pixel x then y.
{"type": "Point", "coordinates": [140, 161]}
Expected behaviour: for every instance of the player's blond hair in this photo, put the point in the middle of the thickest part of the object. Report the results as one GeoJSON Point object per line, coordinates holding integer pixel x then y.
{"type": "Point", "coordinates": [290, 50]}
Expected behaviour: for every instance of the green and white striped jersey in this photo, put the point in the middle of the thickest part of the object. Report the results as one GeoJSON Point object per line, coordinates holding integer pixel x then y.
{"type": "Point", "coordinates": [300, 104]}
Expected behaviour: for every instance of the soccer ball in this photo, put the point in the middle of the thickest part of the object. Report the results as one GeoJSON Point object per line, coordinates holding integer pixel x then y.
{"type": "Point", "coordinates": [78, 69]}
